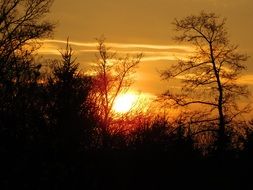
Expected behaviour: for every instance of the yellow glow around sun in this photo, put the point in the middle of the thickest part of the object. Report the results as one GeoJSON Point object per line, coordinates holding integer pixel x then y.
{"type": "Point", "coordinates": [124, 103]}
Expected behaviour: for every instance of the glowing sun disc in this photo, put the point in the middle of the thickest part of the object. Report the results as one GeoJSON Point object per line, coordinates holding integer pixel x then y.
{"type": "Point", "coordinates": [124, 103]}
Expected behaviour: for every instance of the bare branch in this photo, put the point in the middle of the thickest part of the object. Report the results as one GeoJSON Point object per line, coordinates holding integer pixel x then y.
{"type": "Point", "coordinates": [209, 76]}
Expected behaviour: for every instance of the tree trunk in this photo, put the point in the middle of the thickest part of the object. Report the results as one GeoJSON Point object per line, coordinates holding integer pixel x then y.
{"type": "Point", "coordinates": [221, 141]}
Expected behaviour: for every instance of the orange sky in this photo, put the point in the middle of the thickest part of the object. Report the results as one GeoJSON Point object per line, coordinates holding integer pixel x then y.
{"type": "Point", "coordinates": [143, 26]}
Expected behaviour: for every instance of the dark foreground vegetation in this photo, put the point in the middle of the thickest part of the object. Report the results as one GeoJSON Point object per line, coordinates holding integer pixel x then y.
{"type": "Point", "coordinates": [58, 130]}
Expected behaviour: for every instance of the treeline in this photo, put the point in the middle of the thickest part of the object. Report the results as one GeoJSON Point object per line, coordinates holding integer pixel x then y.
{"type": "Point", "coordinates": [58, 129]}
{"type": "Point", "coordinates": [52, 134]}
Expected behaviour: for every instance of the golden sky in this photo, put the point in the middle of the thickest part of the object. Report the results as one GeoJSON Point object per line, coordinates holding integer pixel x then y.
{"type": "Point", "coordinates": [132, 26]}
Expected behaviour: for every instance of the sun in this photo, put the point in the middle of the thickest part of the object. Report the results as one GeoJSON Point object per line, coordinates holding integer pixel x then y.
{"type": "Point", "coordinates": [124, 103]}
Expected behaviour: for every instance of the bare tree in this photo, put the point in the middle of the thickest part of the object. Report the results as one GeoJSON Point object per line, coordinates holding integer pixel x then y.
{"type": "Point", "coordinates": [113, 76]}
{"type": "Point", "coordinates": [210, 75]}
{"type": "Point", "coordinates": [21, 25]}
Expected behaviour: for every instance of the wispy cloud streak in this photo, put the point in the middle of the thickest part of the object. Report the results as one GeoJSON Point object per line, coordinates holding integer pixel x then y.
{"type": "Point", "coordinates": [121, 45]}
{"type": "Point", "coordinates": [152, 52]}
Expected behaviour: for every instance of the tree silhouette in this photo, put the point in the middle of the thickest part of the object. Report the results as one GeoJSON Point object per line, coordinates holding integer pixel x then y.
{"type": "Point", "coordinates": [21, 25]}
{"type": "Point", "coordinates": [112, 78]}
{"type": "Point", "coordinates": [68, 91]}
{"type": "Point", "coordinates": [210, 74]}
{"type": "Point", "coordinates": [21, 96]}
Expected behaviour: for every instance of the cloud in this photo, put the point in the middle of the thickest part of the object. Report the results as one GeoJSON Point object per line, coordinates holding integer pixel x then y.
{"type": "Point", "coordinates": [120, 45]}
{"type": "Point", "coordinates": [152, 52]}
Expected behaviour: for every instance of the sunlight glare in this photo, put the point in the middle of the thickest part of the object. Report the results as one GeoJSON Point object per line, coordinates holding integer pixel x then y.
{"type": "Point", "coordinates": [124, 103]}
